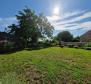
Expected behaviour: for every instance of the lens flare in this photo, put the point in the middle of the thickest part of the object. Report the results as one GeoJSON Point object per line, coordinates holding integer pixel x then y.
{"type": "Point", "coordinates": [56, 11]}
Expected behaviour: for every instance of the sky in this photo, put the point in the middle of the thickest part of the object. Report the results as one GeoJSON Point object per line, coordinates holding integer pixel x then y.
{"type": "Point", "coordinates": [64, 15]}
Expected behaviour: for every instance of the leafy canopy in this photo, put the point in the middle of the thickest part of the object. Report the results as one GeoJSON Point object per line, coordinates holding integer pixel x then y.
{"type": "Point", "coordinates": [65, 36]}
{"type": "Point", "coordinates": [30, 27]}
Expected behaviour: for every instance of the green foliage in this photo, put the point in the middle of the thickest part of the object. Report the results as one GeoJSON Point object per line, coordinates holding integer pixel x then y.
{"type": "Point", "coordinates": [87, 46]}
{"type": "Point", "coordinates": [47, 43]}
{"type": "Point", "coordinates": [76, 39]}
{"type": "Point", "coordinates": [65, 36]}
{"type": "Point", "coordinates": [55, 41]}
{"type": "Point", "coordinates": [70, 45]}
{"type": "Point", "coordinates": [30, 28]}
{"type": "Point", "coordinates": [45, 27]}
{"type": "Point", "coordinates": [6, 47]}
{"type": "Point", "coordinates": [76, 46]}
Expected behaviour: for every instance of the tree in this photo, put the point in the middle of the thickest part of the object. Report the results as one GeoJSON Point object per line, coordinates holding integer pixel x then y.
{"type": "Point", "coordinates": [76, 39]}
{"type": "Point", "coordinates": [45, 27]}
{"type": "Point", "coordinates": [30, 27]}
{"type": "Point", "coordinates": [16, 34]}
{"type": "Point", "coordinates": [65, 36]}
{"type": "Point", "coordinates": [54, 41]}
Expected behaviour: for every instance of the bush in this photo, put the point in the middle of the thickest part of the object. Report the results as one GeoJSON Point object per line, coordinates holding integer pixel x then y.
{"type": "Point", "coordinates": [88, 48]}
{"type": "Point", "coordinates": [61, 46]}
{"type": "Point", "coordinates": [70, 45]}
{"type": "Point", "coordinates": [76, 47]}
{"type": "Point", "coordinates": [6, 47]}
{"type": "Point", "coordinates": [88, 44]}
{"type": "Point", "coordinates": [47, 43]}
{"type": "Point", "coordinates": [54, 43]}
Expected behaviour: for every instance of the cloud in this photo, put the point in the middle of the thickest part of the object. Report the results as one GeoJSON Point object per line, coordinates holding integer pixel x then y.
{"type": "Point", "coordinates": [86, 24]}
{"type": "Point", "coordinates": [78, 18]}
{"type": "Point", "coordinates": [53, 18]}
{"type": "Point", "coordinates": [71, 20]}
{"type": "Point", "coordinates": [4, 22]}
{"type": "Point", "coordinates": [63, 16]}
{"type": "Point", "coordinates": [70, 14]}
{"type": "Point", "coordinates": [7, 21]}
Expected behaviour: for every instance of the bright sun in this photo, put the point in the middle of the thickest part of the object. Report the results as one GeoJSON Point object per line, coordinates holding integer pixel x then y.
{"type": "Point", "coordinates": [56, 11]}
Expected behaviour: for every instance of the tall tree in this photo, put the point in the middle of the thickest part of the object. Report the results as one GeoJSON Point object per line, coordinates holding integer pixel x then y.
{"type": "Point", "coordinates": [31, 27]}
{"type": "Point", "coordinates": [45, 27]}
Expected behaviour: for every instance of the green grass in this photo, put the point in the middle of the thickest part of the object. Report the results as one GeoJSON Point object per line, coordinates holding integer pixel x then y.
{"type": "Point", "coordinates": [46, 66]}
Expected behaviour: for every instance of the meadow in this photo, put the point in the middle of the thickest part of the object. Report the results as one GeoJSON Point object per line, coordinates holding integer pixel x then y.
{"type": "Point", "coordinates": [53, 65]}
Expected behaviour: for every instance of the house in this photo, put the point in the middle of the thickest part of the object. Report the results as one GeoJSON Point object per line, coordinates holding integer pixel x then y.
{"type": "Point", "coordinates": [78, 44]}
{"type": "Point", "coordinates": [86, 37]}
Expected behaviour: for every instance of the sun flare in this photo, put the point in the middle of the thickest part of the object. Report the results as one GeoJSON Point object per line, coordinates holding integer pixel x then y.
{"type": "Point", "coordinates": [56, 11]}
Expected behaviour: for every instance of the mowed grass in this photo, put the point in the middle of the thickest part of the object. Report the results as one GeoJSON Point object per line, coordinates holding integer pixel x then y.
{"type": "Point", "coordinates": [53, 65]}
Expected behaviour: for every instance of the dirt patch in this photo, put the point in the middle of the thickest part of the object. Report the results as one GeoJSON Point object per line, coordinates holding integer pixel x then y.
{"type": "Point", "coordinates": [32, 75]}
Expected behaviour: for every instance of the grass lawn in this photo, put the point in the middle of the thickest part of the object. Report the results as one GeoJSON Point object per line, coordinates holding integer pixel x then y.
{"type": "Point", "coordinates": [46, 66]}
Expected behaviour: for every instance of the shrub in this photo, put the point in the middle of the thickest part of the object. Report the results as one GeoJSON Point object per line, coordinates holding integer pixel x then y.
{"type": "Point", "coordinates": [6, 47]}
{"type": "Point", "coordinates": [76, 47]}
{"type": "Point", "coordinates": [47, 43]}
{"type": "Point", "coordinates": [88, 48]}
{"type": "Point", "coordinates": [54, 43]}
{"type": "Point", "coordinates": [61, 46]}
{"type": "Point", "coordinates": [88, 44]}
{"type": "Point", "coordinates": [70, 45]}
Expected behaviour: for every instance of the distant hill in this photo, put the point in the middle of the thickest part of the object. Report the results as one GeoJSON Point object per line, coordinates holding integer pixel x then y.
{"type": "Point", "coordinates": [86, 37]}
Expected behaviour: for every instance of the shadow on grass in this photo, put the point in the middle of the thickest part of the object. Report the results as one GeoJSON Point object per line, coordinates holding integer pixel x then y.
{"type": "Point", "coordinates": [35, 48]}
{"type": "Point", "coordinates": [3, 52]}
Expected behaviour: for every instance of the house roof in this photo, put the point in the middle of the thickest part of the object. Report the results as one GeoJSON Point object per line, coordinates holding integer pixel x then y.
{"type": "Point", "coordinates": [86, 37]}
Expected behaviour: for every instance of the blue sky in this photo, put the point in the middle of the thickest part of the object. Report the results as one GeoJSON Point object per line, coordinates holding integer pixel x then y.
{"type": "Point", "coordinates": [71, 15]}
